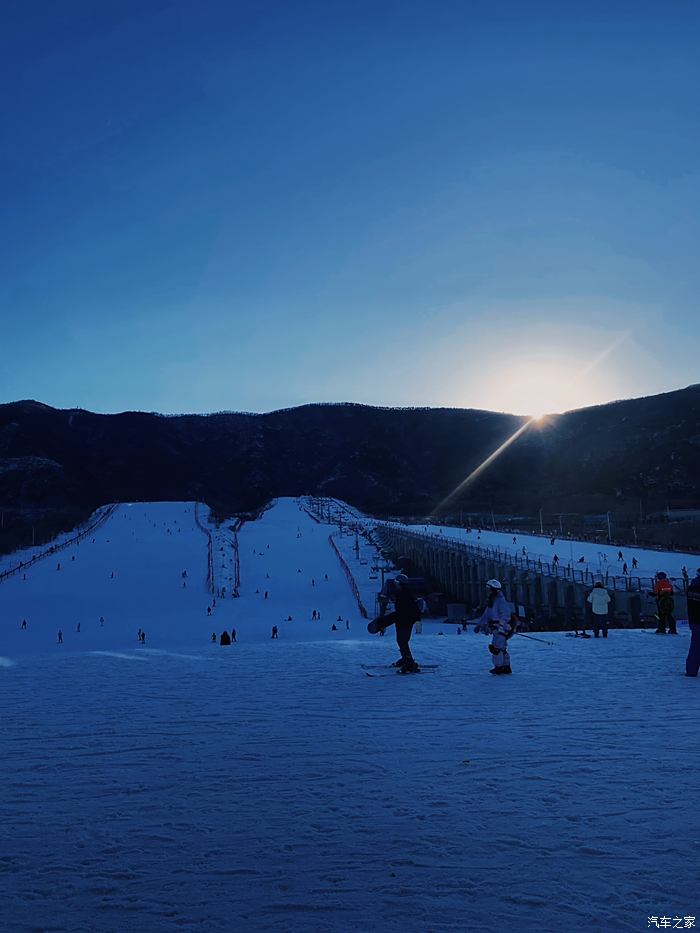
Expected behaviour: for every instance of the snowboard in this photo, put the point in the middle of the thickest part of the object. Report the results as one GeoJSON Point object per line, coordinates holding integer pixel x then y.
{"type": "Point", "coordinates": [381, 622]}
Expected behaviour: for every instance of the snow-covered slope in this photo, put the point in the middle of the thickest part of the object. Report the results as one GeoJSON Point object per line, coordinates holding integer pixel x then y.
{"type": "Point", "coordinates": [598, 558]}
{"type": "Point", "coordinates": [271, 786]}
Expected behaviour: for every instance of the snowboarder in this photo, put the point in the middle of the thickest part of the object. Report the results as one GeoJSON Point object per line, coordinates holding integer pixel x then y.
{"type": "Point", "coordinates": [692, 662]}
{"type": "Point", "coordinates": [663, 591]}
{"type": "Point", "coordinates": [334, 627]}
{"type": "Point", "coordinates": [406, 613]}
{"type": "Point", "coordinates": [496, 621]}
{"type": "Point", "coordinates": [599, 598]}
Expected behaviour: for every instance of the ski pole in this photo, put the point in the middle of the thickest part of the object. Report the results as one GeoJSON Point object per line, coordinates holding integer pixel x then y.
{"type": "Point", "coordinates": [532, 638]}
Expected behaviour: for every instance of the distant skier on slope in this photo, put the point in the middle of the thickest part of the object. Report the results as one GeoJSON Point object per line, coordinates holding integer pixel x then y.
{"type": "Point", "coordinates": [496, 620]}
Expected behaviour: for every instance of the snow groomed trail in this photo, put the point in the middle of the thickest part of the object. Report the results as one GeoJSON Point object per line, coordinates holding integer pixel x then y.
{"type": "Point", "coordinates": [272, 786]}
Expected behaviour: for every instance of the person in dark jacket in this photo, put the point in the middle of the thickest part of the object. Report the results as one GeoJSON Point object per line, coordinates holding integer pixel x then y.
{"type": "Point", "coordinates": [225, 638]}
{"type": "Point", "coordinates": [692, 662]}
{"type": "Point", "coordinates": [406, 612]}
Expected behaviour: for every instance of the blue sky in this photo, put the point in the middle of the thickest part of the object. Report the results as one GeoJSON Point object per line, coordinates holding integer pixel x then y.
{"type": "Point", "coordinates": [255, 205]}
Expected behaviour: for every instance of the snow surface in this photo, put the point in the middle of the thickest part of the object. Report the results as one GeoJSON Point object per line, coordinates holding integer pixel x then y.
{"type": "Point", "coordinates": [273, 786]}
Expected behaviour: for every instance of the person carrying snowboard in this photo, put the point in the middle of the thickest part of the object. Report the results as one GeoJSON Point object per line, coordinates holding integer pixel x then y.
{"type": "Point", "coordinates": [496, 620]}
{"type": "Point", "coordinates": [406, 612]}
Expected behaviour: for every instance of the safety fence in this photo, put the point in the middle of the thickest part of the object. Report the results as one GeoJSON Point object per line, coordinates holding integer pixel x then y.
{"type": "Point", "coordinates": [56, 548]}
{"type": "Point", "coordinates": [311, 515]}
{"type": "Point", "coordinates": [210, 548]}
{"type": "Point", "coordinates": [237, 558]}
{"type": "Point", "coordinates": [350, 578]}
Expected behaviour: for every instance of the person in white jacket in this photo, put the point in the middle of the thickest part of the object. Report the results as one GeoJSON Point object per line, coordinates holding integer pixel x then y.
{"type": "Point", "coordinates": [599, 598]}
{"type": "Point", "coordinates": [496, 620]}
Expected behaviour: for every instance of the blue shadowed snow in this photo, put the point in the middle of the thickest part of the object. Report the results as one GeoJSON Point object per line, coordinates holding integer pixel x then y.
{"type": "Point", "coordinates": [272, 786]}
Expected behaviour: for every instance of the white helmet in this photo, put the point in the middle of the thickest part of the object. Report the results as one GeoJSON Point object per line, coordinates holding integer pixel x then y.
{"type": "Point", "coordinates": [494, 584]}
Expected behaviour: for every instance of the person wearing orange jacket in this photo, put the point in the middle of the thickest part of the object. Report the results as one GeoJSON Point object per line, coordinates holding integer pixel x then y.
{"type": "Point", "coordinates": [663, 591]}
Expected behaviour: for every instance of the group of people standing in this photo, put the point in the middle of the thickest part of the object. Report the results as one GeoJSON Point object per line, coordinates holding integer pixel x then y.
{"type": "Point", "coordinates": [500, 620]}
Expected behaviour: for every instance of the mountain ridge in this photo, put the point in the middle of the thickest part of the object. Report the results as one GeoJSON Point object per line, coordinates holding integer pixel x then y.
{"type": "Point", "coordinates": [384, 460]}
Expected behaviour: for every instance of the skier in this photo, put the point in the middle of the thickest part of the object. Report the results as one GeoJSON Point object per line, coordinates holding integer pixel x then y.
{"type": "Point", "coordinates": [208, 610]}
{"type": "Point", "coordinates": [555, 560]}
{"type": "Point", "coordinates": [619, 555]}
{"type": "Point", "coordinates": [143, 638]}
{"type": "Point", "coordinates": [334, 627]}
{"type": "Point", "coordinates": [60, 637]}
{"type": "Point", "coordinates": [213, 637]}
{"type": "Point", "coordinates": [625, 571]}
{"type": "Point", "coordinates": [77, 628]}
{"type": "Point", "coordinates": [274, 631]}
{"type": "Point", "coordinates": [24, 624]}
{"type": "Point", "coordinates": [599, 598]}
{"type": "Point", "coordinates": [233, 635]}
{"type": "Point", "coordinates": [663, 591]}
{"type": "Point", "coordinates": [496, 620]}
{"type": "Point", "coordinates": [634, 563]}
{"type": "Point", "coordinates": [266, 596]}
{"type": "Point", "coordinates": [692, 662]}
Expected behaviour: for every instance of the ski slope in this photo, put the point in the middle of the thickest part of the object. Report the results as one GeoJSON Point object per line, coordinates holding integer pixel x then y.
{"type": "Point", "coordinates": [271, 786]}
{"type": "Point", "coordinates": [598, 558]}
